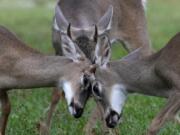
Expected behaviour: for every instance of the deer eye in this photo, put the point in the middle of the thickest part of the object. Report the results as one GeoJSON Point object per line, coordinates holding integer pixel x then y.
{"type": "Point", "coordinates": [96, 90]}
{"type": "Point", "coordinates": [85, 80]}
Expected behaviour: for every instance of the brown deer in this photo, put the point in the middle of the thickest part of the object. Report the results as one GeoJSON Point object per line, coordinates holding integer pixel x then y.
{"type": "Point", "coordinates": [122, 20]}
{"type": "Point", "coordinates": [23, 67]}
{"type": "Point", "coordinates": [154, 75]}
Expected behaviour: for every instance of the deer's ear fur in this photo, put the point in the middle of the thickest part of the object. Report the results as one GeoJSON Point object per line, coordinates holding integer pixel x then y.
{"type": "Point", "coordinates": [60, 22]}
{"type": "Point", "coordinates": [70, 49]}
{"type": "Point", "coordinates": [103, 51]}
{"type": "Point", "coordinates": [105, 22]}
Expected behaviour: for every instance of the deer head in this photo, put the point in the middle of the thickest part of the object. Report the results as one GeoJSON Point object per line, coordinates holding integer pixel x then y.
{"type": "Point", "coordinates": [76, 82]}
{"type": "Point", "coordinates": [85, 37]}
{"type": "Point", "coordinates": [105, 88]}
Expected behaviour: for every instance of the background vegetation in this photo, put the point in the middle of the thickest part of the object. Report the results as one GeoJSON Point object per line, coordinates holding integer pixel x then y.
{"type": "Point", "coordinates": [32, 20]}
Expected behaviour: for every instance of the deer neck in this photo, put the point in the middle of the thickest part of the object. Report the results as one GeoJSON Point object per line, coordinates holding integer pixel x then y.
{"type": "Point", "coordinates": [35, 71]}
{"type": "Point", "coordinates": [138, 75]}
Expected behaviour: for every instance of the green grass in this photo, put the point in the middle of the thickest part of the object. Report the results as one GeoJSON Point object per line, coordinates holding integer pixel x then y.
{"type": "Point", "coordinates": [33, 25]}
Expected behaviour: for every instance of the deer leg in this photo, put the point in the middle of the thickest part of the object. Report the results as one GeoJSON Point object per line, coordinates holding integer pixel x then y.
{"type": "Point", "coordinates": [170, 110]}
{"type": "Point", "coordinates": [177, 118]}
{"type": "Point", "coordinates": [6, 108]}
{"type": "Point", "coordinates": [55, 99]}
{"type": "Point", "coordinates": [95, 115]}
{"type": "Point", "coordinates": [45, 126]}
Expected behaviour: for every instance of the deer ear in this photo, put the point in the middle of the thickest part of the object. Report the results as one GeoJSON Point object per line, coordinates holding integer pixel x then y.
{"type": "Point", "coordinates": [60, 22]}
{"type": "Point", "coordinates": [105, 22]}
{"type": "Point", "coordinates": [103, 51]}
{"type": "Point", "coordinates": [70, 49]}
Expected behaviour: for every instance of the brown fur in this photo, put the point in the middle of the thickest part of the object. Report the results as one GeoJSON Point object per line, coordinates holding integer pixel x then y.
{"type": "Point", "coordinates": [128, 24]}
{"type": "Point", "coordinates": [155, 75]}
{"type": "Point", "coordinates": [23, 67]}
{"type": "Point", "coordinates": [128, 27]}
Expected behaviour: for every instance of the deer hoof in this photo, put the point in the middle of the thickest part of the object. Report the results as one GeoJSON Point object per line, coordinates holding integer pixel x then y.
{"type": "Point", "coordinates": [151, 133]}
{"type": "Point", "coordinates": [177, 119]}
{"type": "Point", "coordinates": [42, 128]}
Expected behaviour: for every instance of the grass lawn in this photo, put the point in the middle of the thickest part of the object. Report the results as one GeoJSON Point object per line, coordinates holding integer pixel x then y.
{"type": "Point", "coordinates": [33, 26]}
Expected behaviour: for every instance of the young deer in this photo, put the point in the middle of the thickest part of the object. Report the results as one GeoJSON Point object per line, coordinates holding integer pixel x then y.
{"type": "Point", "coordinates": [155, 75]}
{"type": "Point", "coordinates": [124, 21]}
{"type": "Point", "coordinates": [23, 67]}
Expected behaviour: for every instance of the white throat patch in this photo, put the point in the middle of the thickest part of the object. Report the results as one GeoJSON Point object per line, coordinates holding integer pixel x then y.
{"type": "Point", "coordinates": [67, 87]}
{"type": "Point", "coordinates": [118, 97]}
{"type": "Point", "coordinates": [144, 2]}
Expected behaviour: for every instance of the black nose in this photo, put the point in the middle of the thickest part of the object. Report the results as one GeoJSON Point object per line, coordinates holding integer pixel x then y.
{"type": "Point", "coordinates": [77, 110]}
{"type": "Point", "coordinates": [112, 119]}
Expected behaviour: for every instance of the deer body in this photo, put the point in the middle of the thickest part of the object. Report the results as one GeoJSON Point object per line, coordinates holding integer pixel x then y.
{"type": "Point", "coordinates": [128, 23]}
{"type": "Point", "coordinates": [23, 67]}
{"type": "Point", "coordinates": [31, 72]}
{"type": "Point", "coordinates": [155, 75]}
{"type": "Point", "coordinates": [143, 76]}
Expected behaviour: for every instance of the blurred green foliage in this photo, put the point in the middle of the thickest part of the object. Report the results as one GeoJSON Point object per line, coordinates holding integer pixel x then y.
{"type": "Point", "coordinates": [40, 2]}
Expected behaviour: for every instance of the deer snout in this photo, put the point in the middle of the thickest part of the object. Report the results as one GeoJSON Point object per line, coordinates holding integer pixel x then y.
{"type": "Point", "coordinates": [112, 119]}
{"type": "Point", "coordinates": [75, 109]}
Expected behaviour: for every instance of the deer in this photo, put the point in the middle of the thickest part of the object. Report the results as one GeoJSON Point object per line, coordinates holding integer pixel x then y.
{"type": "Point", "coordinates": [155, 75]}
{"type": "Point", "coordinates": [84, 21]}
{"type": "Point", "coordinates": [23, 67]}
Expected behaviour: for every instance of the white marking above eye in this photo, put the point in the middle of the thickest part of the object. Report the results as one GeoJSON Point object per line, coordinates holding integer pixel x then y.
{"type": "Point", "coordinates": [118, 97]}
{"type": "Point", "coordinates": [67, 87]}
{"type": "Point", "coordinates": [55, 25]}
